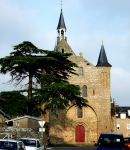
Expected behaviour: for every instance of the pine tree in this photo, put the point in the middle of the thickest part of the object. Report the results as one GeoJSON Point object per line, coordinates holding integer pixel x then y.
{"type": "Point", "coordinates": [46, 73]}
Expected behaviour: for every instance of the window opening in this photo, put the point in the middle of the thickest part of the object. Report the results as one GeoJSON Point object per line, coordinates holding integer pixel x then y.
{"type": "Point", "coordinates": [62, 50]}
{"type": "Point", "coordinates": [84, 91]}
{"type": "Point", "coordinates": [62, 32]}
{"type": "Point", "coordinates": [81, 71]}
{"type": "Point", "coordinates": [79, 112]}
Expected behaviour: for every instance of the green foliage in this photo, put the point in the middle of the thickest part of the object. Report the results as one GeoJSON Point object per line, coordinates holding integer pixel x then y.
{"type": "Point", "coordinates": [46, 73]}
{"type": "Point", "coordinates": [13, 103]}
{"type": "Point", "coordinates": [28, 60]}
{"type": "Point", "coordinates": [57, 94]}
{"type": "Point", "coordinates": [21, 63]}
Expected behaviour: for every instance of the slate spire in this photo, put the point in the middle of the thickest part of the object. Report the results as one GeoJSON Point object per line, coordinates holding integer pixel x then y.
{"type": "Point", "coordinates": [102, 59]}
{"type": "Point", "coordinates": [61, 43]}
{"type": "Point", "coordinates": [61, 24]}
{"type": "Point", "coordinates": [61, 28]}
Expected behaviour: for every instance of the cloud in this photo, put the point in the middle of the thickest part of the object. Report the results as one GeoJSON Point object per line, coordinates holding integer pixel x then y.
{"type": "Point", "coordinates": [88, 23]}
{"type": "Point", "coordinates": [16, 21]}
{"type": "Point", "coordinates": [5, 85]}
{"type": "Point", "coordinates": [120, 85]}
{"type": "Point", "coordinates": [116, 46]}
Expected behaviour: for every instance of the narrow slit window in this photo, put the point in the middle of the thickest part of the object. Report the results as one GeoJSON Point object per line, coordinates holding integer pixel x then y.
{"type": "Point", "coordinates": [84, 91]}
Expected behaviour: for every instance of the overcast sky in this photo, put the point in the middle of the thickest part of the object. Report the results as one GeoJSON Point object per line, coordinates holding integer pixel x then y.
{"type": "Point", "coordinates": [88, 22]}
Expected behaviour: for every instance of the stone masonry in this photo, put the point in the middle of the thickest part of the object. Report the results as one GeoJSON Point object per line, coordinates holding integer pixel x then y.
{"type": "Point", "coordinates": [94, 82]}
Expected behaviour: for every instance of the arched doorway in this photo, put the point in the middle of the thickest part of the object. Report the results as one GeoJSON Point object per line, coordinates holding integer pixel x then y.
{"type": "Point", "coordinates": [80, 133]}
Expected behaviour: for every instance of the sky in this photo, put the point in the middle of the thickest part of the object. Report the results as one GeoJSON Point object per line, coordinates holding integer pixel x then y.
{"type": "Point", "coordinates": [88, 22]}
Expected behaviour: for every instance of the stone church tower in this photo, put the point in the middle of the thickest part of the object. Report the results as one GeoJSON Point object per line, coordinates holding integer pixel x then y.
{"type": "Point", "coordinates": [83, 126]}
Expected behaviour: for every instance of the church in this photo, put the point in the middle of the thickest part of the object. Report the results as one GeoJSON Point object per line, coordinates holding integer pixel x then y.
{"type": "Point", "coordinates": [83, 126]}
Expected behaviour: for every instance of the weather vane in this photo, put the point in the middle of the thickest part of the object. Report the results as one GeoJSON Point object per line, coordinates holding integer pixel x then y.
{"type": "Point", "coordinates": [102, 42]}
{"type": "Point", "coordinates": [61, 3]}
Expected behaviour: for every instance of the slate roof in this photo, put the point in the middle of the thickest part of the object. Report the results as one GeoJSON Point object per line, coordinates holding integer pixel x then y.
{"type": "Point", "coordinates": [122, 109]}
{"type": "Point", "coordinates": [61, 24]}
{"type": "Point", "coordinates": [26, 116]}
{"type": "Point", "coordinates": [102, 60]}
{"type": "Point", "coordinates": [4, 114]}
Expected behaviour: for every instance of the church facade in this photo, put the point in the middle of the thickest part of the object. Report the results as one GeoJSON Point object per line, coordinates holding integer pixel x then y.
{"type": "Point", "coordinates": [83, 126]}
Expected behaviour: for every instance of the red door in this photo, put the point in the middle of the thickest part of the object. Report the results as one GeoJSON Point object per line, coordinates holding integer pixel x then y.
{"type": "Point", "coordinates": [80, 133]}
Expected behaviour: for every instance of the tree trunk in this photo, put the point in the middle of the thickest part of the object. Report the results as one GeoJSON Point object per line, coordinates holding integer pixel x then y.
{"type": "Point", "coordinates": [30, 94]}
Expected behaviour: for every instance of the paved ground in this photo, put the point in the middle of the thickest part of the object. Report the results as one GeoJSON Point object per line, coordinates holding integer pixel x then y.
{"type": "Point", "coordinates": [70, 148]}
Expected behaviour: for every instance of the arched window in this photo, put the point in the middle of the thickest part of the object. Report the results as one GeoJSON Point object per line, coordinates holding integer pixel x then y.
{"type": "Point", "coordinates": [79, 112]}
{"type": "Point", "coordinates": [62, 32]}
{"type": "Point", "coordinates": [81, 71]}
{"type": "Point", "coordinates": [84, 91]}
{"type": "Point", "coordinates": [62, 50]}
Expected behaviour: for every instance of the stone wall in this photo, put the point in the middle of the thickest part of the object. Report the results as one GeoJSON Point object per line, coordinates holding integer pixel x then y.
{"type": "Point", "coordinates": [97, 116]}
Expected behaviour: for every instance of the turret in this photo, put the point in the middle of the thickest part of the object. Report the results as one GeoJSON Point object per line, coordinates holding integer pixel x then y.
{"type": "Point", "coordinates": [61, 44]}
{"type": "Point", "coordinates": [61, 28]}
{"type": "Point", "coordinates": [102, 59]}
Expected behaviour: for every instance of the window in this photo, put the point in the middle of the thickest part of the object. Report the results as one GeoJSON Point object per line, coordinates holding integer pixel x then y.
{"type": "Point", "coordinates": [128, 112]}
{"type": "Point", "coordinates": [81, 71]}
{"type": "Point", "coordinates": [123, 116]}
{"type": "Point", "coordinates": [84, 91]}
{"type": "Point", "coordinates": [62, 32]}
{"type": "Point", "coordinates": [93, 92]}
{"type": "Point", "coordinates": [62, 50]}
{"type": "Point", "coordinates": [79, 112]}
{"type": "Point", "coordinates": [128, 126]}
{"type": "Point", "coordinates": [118, 126]}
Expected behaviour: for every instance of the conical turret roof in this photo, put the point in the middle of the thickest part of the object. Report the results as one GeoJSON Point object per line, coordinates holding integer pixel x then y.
{"type": "Point", "coordinates": [102, 60]}
{"type": "Point", "coordinates": [61, 23]}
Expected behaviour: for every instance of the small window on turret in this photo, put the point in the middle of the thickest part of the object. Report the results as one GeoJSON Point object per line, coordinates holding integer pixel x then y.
{"type": "Point", "coordinates": [62, 32]}
{"type": "Point", "coordinates": [62, 50]}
